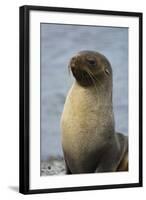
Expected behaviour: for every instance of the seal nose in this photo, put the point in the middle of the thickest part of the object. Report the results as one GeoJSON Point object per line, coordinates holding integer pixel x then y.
{"type": "Point", "coordinates": [76, 62]}
{"type": "Point", "coordinates": [73, 65]}
{"type": "Point", "coordinates": [73, 61]}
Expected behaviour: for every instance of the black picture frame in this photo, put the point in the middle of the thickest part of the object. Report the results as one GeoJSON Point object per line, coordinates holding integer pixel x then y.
{"type": "Point", "coordinates": [25, 105]}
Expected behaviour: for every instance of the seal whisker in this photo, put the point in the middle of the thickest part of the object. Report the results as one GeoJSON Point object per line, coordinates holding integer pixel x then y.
{"type": "Point", "coordinates": [69, 70]}
{"type": "Point", "coordinates": [92, 80]}
{"type": "Point", "coordinates": [95, 78]}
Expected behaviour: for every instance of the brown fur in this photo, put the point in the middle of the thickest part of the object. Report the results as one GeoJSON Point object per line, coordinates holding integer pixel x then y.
{"type": "Point", "coordinates": [89, 140]}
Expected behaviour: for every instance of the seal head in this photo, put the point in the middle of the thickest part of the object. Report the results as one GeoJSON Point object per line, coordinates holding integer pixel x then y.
{"type": "Point", "coordinates": [89, 66]}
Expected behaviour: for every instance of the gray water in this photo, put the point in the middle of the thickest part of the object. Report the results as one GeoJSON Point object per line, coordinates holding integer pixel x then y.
{"type": "Point", "coordinates": [58, 44]}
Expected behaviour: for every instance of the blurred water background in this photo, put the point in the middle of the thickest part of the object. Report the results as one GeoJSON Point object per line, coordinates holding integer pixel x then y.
{"type": "Point", "coordinates": [58, 44]}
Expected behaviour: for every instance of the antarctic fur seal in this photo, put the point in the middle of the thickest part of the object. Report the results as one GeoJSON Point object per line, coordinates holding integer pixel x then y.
{"type": "Point", "coordinates": [89, 140]}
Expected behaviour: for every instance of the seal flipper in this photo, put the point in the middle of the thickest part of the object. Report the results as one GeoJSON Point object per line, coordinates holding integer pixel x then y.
{"type": "Point", "coordinates": [123, 165]}
{"type": "Point", "coordinates": [67, 168]}
{"type": "Point", "coordinates": [109, 160]}
{"type": "Point", "coordinates": [116, 157]}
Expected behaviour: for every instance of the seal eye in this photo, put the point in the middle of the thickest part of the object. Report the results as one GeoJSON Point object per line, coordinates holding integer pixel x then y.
{"type": "Point", "coordinates": [91, 61]}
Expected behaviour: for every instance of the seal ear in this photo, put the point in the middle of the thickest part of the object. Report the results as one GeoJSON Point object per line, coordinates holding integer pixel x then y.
{"type": "Point", "coordinates": [107, 71]}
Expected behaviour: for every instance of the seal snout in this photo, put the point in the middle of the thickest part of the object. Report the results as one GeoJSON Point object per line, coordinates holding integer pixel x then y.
{"type": "Point", "coordinates": [89, 66]}
{"type": "Point", "coordinates": [80, 66]}
{"type": "Point", "coordinates": [83, 62]}
{"type": "Point", "coordinates": [75, 62]}
{"type": "Point", "coordinates": [76, 65]}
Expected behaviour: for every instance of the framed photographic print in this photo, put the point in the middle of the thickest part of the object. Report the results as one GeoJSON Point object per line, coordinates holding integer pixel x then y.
{"type": "Point", "coordinates": [80, 99]}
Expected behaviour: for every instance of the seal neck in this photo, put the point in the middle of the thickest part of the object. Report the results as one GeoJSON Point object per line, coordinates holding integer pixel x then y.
{"type": "Point", "coordinates": [102, 93]}
{"type": "Point", "coordinates": [94, 102]}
